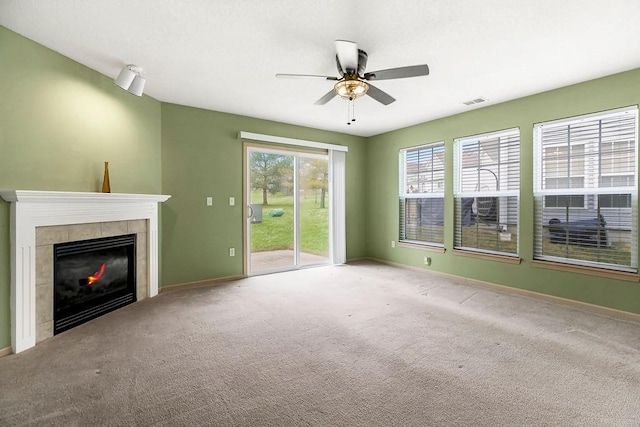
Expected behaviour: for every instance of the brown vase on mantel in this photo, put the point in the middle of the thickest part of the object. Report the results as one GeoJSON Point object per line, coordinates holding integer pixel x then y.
{"type": "Point", "coordinates": [106, 186]}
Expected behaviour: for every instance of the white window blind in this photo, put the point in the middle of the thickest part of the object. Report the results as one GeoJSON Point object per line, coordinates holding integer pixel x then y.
{"type": "Point", "coordinates": [585, 190]}
{"type": "Point", "coordinates": [422, 194]}
{"type": "Point", "coordinates": [486, 192]}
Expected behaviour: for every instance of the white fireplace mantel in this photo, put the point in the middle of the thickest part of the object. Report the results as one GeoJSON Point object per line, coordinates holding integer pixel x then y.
{"type": "Point", "coordinates": [31, 209]}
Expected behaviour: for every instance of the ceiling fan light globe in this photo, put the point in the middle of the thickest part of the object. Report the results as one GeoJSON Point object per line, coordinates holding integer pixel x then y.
{"type": "Point", "coordinates": [351, 89]}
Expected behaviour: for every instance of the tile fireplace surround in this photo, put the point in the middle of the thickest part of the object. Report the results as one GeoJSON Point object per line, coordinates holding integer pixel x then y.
{"type": "Point", "coordinates": [54, 217]}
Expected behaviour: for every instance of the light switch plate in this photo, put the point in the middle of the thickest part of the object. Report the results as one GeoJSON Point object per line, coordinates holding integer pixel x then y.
{"type": "Point", "coordinates": [209, 201]}
{"type": "Point", "coordinates": [232, 201]}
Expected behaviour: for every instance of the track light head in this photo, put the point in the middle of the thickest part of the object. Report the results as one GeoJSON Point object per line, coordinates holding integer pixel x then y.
{"type": "Point", "coordinates": [130, 79]}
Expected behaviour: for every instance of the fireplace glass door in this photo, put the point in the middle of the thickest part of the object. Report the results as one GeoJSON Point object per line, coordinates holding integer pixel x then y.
{"type": "Point", "coordinates": [91, 278]}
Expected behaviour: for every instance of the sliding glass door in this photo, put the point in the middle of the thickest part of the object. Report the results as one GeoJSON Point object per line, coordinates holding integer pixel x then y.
{"type": "Point", "coordinates": [287, 210]}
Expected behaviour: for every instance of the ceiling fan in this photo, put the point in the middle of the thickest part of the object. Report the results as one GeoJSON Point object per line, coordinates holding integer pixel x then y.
{"type": "Point", "coordinates": [353, 81]}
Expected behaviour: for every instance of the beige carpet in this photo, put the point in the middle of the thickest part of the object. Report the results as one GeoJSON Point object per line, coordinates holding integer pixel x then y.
{"type": "Point", "coordinates": [267, 260]}
{"type": "Point", "coordinates": [357, 345]}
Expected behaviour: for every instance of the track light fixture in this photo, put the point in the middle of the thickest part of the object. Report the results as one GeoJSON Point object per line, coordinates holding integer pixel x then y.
{"type": "Point", "coordinates": [130, 79]}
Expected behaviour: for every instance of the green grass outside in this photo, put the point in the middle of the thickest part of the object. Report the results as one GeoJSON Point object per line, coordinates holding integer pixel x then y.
{"type": "Point", "coordinates": [483, 237]}
{"type": "Point", "coordinates": [479, 237]}
{"type": "Point", "coordinates": [276, 233]}
{"type": "Point", "coordinates": [619, 253]}
{"type": "Point", "coordinates": [433, 234]}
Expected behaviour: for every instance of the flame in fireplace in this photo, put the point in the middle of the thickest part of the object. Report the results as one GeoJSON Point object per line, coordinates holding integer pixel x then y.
{"type": "Point", "coordinates": [96, 276]}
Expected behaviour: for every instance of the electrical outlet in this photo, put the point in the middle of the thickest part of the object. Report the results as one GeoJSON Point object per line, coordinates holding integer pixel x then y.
{"type": "Point", "coordinates": [393, 243]}
{"type": "Point", "coordinates": [232, 251]}
{"type": "Point", "coordinates": [232, 201]}
{"type": "Point", "coordinates": [209, 201]}
{"type": "Point", "coordinates": [427, 260]}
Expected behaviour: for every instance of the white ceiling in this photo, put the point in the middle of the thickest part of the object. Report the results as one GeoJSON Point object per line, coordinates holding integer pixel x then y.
{"type": "Point", "coordinates": [223, 55]}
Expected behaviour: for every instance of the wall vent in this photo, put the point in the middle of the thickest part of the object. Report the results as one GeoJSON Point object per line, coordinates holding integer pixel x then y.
{"type": "Point", "coordinates": [475, 101]}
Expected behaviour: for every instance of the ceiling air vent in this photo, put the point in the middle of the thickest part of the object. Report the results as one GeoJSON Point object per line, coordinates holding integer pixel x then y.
{"type": "Point", "coordinates": [475, 101]}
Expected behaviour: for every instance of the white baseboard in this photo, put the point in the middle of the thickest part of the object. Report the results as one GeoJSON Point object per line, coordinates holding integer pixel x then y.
{"type": "Point", "coordinates": [200, 283]}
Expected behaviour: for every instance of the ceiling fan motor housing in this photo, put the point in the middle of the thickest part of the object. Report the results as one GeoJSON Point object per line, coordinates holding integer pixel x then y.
{"type": "Point", "coordinates": [362, 64]}
{"type": "Point", "coordinates": [362, 61]}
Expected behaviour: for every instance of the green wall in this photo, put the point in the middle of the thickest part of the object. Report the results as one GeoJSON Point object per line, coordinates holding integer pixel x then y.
{"type": "Point", "coordinates": [383, 223]}
{"type": "Point", "coordinates": [59, 122]}
{"type": "Point", "coordinates": [202, 156]}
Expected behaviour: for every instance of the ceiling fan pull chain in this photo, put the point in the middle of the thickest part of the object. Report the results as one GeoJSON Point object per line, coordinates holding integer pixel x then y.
{"type": "Point", "coordinates": [353, 111]}
{"type": "Point", "coordinates": [349, 111]}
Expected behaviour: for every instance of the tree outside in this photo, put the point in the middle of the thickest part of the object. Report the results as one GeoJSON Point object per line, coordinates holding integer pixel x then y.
{"type": "Point", "coordinates": [314, 176]}
{"type": "Point", "coordinates": [271, 173]}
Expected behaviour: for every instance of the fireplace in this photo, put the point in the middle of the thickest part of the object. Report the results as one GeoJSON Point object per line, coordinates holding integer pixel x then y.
{"type": "Point", "coordinates": [92, 278]}
{"type": "Point", "coordinates": [41, 219]}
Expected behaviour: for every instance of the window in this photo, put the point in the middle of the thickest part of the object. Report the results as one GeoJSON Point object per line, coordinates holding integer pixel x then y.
{"type": "Point", "coordinates": [585, 190]}
{"type": "Point", "coordinates": [564, 169]}
{"type": "Point", "coordinates": [422, 194]}
{"type": "Point", "coordinates": [486, 191]}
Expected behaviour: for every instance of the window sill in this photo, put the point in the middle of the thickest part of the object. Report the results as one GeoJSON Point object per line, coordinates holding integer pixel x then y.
{"type": "Point", "coordinates": [490, 257]}
{"type": "Point", "coordinates": [592, 271]}
{"type": "Point", "coordinates": [426, 247]}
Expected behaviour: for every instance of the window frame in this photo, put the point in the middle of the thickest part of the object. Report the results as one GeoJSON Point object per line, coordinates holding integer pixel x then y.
{"type": "Point", "coordinates": [592, 190]}
{"type": "Point", "coordinates": [405, 195]}
{"type": "Point", "coordinates": [499, 194]}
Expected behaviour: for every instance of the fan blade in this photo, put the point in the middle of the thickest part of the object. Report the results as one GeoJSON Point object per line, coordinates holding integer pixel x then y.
{"type": "Point", "coordinates": [347, 53]}
{"type": "Point", "coordinates": [326, 98]}
{"type": "Point", "coordinates": [379, 95]}
{"type": "Point", "coordinates": [300, 76]}
{"type": "Point", "coordinates": [398, 73]}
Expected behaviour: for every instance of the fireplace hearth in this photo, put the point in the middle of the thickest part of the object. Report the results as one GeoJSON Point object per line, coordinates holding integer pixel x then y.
{"type": "Point", "coordinates": [92, 278]}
